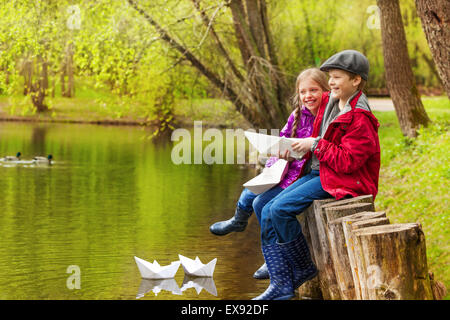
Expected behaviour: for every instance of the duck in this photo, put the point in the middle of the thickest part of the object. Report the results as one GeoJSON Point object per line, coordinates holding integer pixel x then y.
{"type": "Point", "coordinates": [42, 160]}
{"type": "Point", "coordinates": [12, 158]}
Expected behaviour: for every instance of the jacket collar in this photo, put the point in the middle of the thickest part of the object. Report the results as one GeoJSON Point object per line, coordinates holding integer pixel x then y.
{"type": "Point", "coordinates": [346, 116]}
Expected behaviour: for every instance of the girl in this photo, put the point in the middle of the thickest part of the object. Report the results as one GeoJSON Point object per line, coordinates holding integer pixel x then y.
{"type": "Point", "coordinates": [310, 86]}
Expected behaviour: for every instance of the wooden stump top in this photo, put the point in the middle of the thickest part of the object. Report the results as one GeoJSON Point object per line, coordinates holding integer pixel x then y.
{"type": "Point", "coordinates": [385, 229]}
{"type": "Point", "coordinates": [368, 223]}
{"type": "Point", "coordinates": [351, 219]}
{"type": "Point", "coordinates": [336, 203]}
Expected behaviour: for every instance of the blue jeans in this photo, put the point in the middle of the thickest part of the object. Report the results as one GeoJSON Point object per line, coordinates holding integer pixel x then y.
{"type": "Point", "coordinates": [248, 201]}
{"type": "Point", "coordinates": [278, 217]}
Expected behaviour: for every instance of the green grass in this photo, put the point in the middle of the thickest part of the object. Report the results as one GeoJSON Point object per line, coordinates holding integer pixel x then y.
{"type": "Point", "coordinates": [414, 180]}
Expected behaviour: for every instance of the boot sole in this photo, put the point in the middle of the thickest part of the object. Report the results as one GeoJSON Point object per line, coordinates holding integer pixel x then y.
{"type": "Point", "coordinates": [288, 297]}
{"type": "Point", "coordinates": [224, 234]}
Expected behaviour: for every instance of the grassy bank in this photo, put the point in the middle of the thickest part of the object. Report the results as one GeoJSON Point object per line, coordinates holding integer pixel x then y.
{"type": "Point", "coordinates": [414, 180]}
{"type": "Point", "coordinates": [99, 105]}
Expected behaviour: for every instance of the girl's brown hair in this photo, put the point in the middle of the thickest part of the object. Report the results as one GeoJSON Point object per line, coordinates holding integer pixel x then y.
{"type": "Point", "coordinates": [314, 74]}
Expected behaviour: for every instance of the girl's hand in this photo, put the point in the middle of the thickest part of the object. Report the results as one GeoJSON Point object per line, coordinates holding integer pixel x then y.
{"type": "Point", "coordinates": [304, 145]}
{"type": "Point", "coordinates": [285, 156]}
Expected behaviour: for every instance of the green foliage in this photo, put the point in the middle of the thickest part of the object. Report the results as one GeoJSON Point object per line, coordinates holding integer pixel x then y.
{"type": "Point", "coordinates": [307, 33]}
{"type": "Point", "coordinates": [117, 50]}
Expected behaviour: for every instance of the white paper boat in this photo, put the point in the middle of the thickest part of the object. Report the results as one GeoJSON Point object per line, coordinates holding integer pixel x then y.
{"type": "Point", "coordinates": [157, 285]}
{"type": "Point", "coordinates": [199, 283]}
{"type": "Point", "coordinates": [271, 145]}
{"type": "Point", "coordinates": [155, 271]}
{"type": "Point", "coordinates": [196, 268]}
{"type": "Point", "coordinates": [268, 178]}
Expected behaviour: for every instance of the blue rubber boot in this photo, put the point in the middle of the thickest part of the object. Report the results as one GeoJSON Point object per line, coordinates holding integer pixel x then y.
{"type": "Point", "coordinates": [280, 287]}
{"type": "Point", "coordinates": [237, 223]}
{"type": "Point", "coordinates": [297, 254]}
{"type": "Point", "coordinates": [262, 272]}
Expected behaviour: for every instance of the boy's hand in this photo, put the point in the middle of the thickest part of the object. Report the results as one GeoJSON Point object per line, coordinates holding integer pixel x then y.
{"type": "Point", "coordinates": [304, 145]}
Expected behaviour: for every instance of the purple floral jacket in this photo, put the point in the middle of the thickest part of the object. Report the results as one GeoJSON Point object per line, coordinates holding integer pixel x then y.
{"type": "Point", "coordinates": [304, 130]}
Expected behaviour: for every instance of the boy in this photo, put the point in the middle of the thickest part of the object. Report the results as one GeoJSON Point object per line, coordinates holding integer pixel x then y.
{"type": "Point", "coordinates": [348, 155]}
{"type": "Point", "coordinates": [344, 162]}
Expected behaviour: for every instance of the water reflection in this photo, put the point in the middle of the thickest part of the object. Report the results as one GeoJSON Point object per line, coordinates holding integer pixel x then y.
{"type": "Point", "coordinates": [157, 285]}
{"type": "Point", "coordinates": [199, 283]}
{"type": "Point", "coordinates": [171, 286]}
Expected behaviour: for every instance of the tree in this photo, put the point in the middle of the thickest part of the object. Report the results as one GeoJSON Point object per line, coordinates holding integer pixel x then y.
{"type": "Point", "coordinates": [435, 18]}
{"type": "Point", "coordinates": [253, 83]}
{"type": "Point", "coordinates": [399, 76]}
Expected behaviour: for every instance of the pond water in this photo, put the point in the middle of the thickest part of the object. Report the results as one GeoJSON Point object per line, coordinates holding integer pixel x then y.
{"type": "Point", "coordinates": [112, 194]}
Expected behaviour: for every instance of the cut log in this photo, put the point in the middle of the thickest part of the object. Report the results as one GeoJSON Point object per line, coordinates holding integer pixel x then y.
{"type": "Point", "coordinates": [319, 250]}
{"type": "Point", "coordinates": [351, 269]}
{"type": "Point", "coordinates": [338, 247]}
{"type": "Point", "coordinates": [395, 262]}
{"type": "Point", "coordinates": [358, 265]}
{"type": "Point", "coordinates": [310, 290]}
{"type": "Point", "coordinates": [317, 224]}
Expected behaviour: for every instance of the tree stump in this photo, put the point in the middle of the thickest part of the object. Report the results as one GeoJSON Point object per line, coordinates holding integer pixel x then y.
{"type": "Point", "coordinates": [395, 262]}
{"type": "Point", "coordinates": [351, 268]}
{"type": "Point", "coordinates": [310, 290]}
{"type": "Point", "coordinates": [317, 226]}
{"type": "Point", "coordinates": [338, 247]}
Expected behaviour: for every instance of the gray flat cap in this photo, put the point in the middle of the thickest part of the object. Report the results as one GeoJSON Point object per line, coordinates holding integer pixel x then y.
{"type": "Point", "coordinates": [349, 60]}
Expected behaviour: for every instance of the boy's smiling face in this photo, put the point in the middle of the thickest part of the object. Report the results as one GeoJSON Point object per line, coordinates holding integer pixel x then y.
{"type": "Point", "coordinates": [342, 85]}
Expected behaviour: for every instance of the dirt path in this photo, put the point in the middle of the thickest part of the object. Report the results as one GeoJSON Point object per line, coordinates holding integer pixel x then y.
{"type": "Point", "coordinates": [381, 104]}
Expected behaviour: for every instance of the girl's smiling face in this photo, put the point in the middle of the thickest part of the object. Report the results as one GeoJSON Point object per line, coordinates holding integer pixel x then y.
{"type": "Point", "coordinates": [310, 93]}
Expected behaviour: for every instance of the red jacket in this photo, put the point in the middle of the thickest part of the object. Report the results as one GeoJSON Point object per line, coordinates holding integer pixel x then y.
{"type": "Point", "coordinates": [348, 152]}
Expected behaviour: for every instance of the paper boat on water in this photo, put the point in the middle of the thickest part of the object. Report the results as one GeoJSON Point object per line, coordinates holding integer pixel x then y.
{"type": "Point", "coordinates": [155, 271]}
{"type": "Point", "coordinates": [199, 283]}
{"type": "Point", "coordinates": [196, 268]}
{"type": "Point", "coordinates": [157, 285]}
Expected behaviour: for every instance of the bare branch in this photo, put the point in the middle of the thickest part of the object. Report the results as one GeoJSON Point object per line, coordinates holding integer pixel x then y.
{"type": "Point", "coordinates": [208, 23]}
{"type": "Point", "coordinates": [240, 106]}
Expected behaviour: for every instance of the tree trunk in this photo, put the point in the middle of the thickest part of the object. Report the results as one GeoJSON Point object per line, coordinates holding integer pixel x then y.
{"type": "Point", "coordinates": [27, 72]}
{"type": "Point", "coordinates": [435, 17]}
{"type": "Point", "coordinates": [395, 262]}
{"type": "Point", "coordinates": [70, 79]}
{"type": "Point", "coordinates": [347, 222]}
{"type": "Point", "coordinates": [67, 70]}
{"type": "Point", "coordinates": [399, 76]}
{"type": "Point", "coordinates": [63, 77]}
{"type": "Point", "coordinates": [338, 248]}
{"type": "Point", "coordinates": [317, 226]}
{"type": "Point", "coordinates": [39, 87]}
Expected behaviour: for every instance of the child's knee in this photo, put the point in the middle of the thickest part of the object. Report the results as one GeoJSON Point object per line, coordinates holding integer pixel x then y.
{"type": "Point", "coordinates": [257, 206]}
{"type": "Point", "coordinates": [278, 212]}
